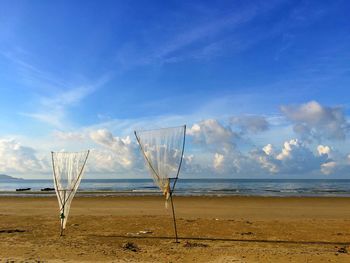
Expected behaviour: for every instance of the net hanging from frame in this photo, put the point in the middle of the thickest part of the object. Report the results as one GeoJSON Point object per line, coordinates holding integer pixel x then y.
{"type": "Point", "coordinates": [68, 169]}
{"type": "Point", "coordinates": [163, 151]}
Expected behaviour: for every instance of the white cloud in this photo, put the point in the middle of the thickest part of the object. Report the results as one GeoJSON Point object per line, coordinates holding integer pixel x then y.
{"type": "Point", "coordinates": [212, 149]}
{"type": "Point", "coordinates": [194, 130]}
{"type": "Point", "coordinates": [288, 148]}
{"type": "Point", "coordinates": [122, 148]}
{"type": "Point", "coordinates": [297, 157]}
{"type": "Point", "coordinates": [312, 120]}
{"type": "Point", "coordinates": [323, 149]}
{"type": "Point", "coordinates": [266, 159]}
{"type": "Point", "coordinates": [103, 161]}
{"type": "Point", "coordinates": [218, 160]}
{"type": "Point", "coordinates": [268, 149]}
{"type": "Point", "coordinates": [328, 168]}
{"type": "Point", "coordinates": [294, 158]}
{"type": "Point", "coordinates": [18, 159]}
{"type": "Point", "coordinates": [211, 133]}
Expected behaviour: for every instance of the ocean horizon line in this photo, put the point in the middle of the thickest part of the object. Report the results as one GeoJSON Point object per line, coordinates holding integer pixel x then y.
{"type": "Point", "coordinates": [192, 178]}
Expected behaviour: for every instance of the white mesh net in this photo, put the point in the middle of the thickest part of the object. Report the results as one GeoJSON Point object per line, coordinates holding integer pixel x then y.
{"type": "Point", "coordinates": [163, 151]}
{"type": "Point", "coordinates": [68, 169]}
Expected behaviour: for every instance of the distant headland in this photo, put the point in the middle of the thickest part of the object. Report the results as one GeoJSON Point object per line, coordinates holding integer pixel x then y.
{"type": "Point", "coordinates": [7, 177]}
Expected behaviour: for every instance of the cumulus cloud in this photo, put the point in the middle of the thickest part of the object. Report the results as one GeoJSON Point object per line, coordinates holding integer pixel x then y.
{"type": "Point", "coordinates": [213, 149]}
{"type": "Point", "coordinates": [268, 149]}
{"type": "Point", "coordinates": [294, 157]}
{"type": "Point", "coordinates": [297, 157]}
{"type": "Point", "coordinates": [104, 161]}
{"type": "Point", "coordinates": [312, 120]}
{"type": "Point", "coordinates": [122, 148]}
{"type": "Point", "coordinates": [15, 158]}
{"type": "Point", "coordinates": [323, 149]}
{"type": "Point", "coordinates": [250, 123]}
{"type": "Point", "coordinates": [266, 159]}
{"type": "Point", "coordinates": [212, 133]}
{"type": "Point", "coordinates": [218, 160]}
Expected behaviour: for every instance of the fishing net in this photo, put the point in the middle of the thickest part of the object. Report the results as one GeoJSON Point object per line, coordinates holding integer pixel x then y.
{"type": "Point", "coordinates": [68, 169]}
{"type": "Point", "coordinates": [163, 152]}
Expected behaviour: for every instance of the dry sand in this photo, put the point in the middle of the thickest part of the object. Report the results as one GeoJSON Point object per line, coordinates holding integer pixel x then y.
{"type": "Point", "coordinates": [212, 229]}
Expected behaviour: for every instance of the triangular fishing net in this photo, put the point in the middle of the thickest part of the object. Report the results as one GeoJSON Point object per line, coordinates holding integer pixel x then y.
{"type": "Point", "coordinates": [68, 169]}
{"type": "Point", "coordinates": [163, 151]}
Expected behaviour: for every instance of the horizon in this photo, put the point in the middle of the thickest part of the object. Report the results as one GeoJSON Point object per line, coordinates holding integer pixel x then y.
{"type": "Point", "coordinates": [188, 178]}
{"type": "Point", "coordinates": [262, 87]}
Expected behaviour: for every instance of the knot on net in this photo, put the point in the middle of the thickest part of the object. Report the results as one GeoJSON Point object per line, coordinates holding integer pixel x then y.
{"type": "Point", "coordinates": [167, 192]}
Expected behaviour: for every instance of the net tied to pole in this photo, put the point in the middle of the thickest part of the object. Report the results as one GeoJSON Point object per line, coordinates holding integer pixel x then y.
{"type": "Point", "coordinates": [68, 169]}
{"type": "Point", "coordinates": [163, 151]}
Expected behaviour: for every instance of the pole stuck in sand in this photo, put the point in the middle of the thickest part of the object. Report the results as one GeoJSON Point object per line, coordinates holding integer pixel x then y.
{"type": "Point", "coordinates": [163, 150]}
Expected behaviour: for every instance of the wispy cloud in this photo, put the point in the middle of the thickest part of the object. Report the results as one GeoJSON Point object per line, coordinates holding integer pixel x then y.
{"type": "Point", "coordinates": [53, 109]}
{"type": "Point", "coordinates": [55, 96]}
{"type": "Point", "coordinates": [30, 74]}
{"type": "Point", "coordinates": [201, 40]}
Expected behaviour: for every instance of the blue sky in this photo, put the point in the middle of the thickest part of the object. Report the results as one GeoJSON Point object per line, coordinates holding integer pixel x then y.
{"type": "Point", "coordinates": [84, 74]}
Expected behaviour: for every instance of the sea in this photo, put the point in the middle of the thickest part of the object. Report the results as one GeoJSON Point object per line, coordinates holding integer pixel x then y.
{"type": "Point", "coordinates": [189, 187]}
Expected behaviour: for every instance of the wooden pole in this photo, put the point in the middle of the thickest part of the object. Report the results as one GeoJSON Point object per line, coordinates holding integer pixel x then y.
{"type": "Point", "coordinates": [62, 214]}
{"type": "Point", "coordinates": [174, 219]}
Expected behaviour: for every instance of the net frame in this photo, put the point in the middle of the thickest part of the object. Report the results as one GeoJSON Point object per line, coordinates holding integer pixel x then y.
{"type": "Point", "coordinates": [65, 201]}
{"type": "Point", "coordinates": [172, 188]}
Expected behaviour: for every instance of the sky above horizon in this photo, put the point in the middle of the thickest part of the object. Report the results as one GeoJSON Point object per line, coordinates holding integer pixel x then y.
{"type": "Point", "coordinates": [263, 86]}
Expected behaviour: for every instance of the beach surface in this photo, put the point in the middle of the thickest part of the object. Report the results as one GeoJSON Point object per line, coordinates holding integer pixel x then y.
{"type": "Point", "coordinates": [211, 229]}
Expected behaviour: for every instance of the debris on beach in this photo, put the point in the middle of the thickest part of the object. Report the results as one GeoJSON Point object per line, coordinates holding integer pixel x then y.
{"type": "Point", "coordinates": [139, 233]}
{"type": "Point", "coordinates": [342, 250]}
{"type": "Point", "coordinates": [131, 246]}
{"type": "Point", "coordinates": [247, 233]}
{"type": "Point", "coordinates": [9, 231]}
{"type": "Point", "coordinates": [144, 232]}
{"type": "Point", "coordinates": [190, 245]}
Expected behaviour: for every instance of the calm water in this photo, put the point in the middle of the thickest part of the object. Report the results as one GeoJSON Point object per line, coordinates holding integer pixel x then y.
{"type": "Point", "coordinates": [219, 187]}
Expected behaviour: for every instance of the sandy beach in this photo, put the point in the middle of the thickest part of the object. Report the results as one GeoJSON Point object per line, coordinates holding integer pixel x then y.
{"type": "Point", "coordinates": [211, 229]}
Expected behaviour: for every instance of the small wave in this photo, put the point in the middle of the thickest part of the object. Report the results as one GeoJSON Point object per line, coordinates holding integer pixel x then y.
{"type": "Point", "coordinates": [225, 190]}
{"type": "Point", "coordinates": [145, 190]}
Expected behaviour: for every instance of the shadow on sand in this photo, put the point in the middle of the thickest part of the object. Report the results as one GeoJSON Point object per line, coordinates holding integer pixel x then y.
{"type": "Point", "coordinates": [228, 240]}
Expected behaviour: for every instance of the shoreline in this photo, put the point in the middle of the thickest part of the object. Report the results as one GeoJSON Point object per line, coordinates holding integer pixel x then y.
{"type": "Point", "coordinates": [127, 193]}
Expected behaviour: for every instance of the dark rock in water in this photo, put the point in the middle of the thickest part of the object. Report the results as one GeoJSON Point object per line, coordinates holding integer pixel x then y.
{"type": "Point", "coordinates": [23, 189]}
{"type": "Point", "coordinates": [131, 246]}
{"type": "Point", "coordinates": [47, 189]}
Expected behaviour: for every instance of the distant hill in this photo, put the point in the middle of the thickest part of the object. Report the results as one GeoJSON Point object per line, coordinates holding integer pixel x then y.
{"type": "Point", "coordinates": [7, 177]}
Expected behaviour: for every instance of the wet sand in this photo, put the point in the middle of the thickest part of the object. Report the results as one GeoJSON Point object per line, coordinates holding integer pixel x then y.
{"type": "Point", "coordinates": [211, 229]}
